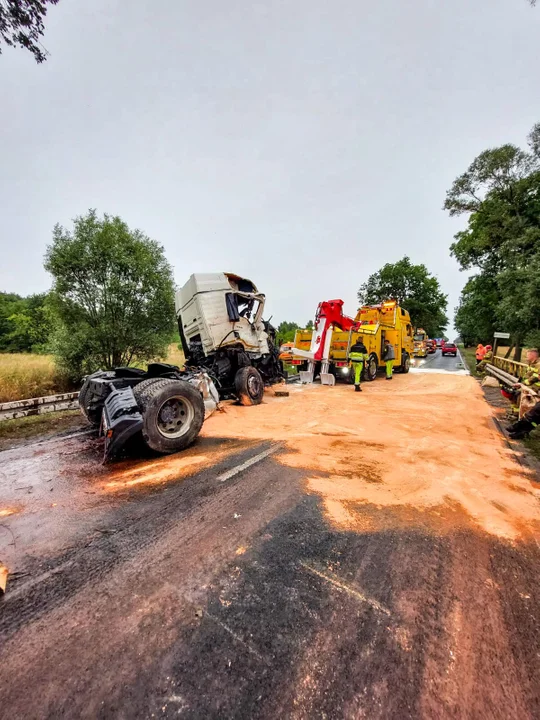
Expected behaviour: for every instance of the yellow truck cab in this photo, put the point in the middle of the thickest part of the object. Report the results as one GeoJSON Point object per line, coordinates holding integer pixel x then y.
{"type": "Point", "coordinates": [421, 347]}
{"type": "Point", "coordinates": [376, 323]}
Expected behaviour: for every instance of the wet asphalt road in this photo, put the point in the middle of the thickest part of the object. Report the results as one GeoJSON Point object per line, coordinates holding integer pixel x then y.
{"type": "Point", "coordinates": [235, 598]}
{"type": "Point", "coordinates": [436, 361]}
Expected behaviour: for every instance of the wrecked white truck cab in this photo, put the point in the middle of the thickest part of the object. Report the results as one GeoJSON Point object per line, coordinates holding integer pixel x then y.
{"type": "Point", "coordinates": [230, 353]}
{"type": "Point", "coordinates": [217, 310]}
{"type": "Point", "coordinates": [222, 330]}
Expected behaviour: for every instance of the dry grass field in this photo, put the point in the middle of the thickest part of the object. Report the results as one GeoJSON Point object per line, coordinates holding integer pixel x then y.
{"type": "Point", "coordinates": [24, 375]}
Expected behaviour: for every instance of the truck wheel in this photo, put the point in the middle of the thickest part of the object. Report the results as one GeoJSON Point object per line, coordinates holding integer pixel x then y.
{"type": "Point", "coordinates": [372, 365]}
{"type": "Point", "coordinates": [172, 412]}
{"type": "Point", "coordinates": [85, 396]}
{"type": "Point", "coordinates": [405, 363]}
{"type": "Point", "coordinates": [249, 386]}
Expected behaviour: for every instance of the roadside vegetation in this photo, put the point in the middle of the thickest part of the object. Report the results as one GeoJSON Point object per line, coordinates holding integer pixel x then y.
{"type": "Point", "coordinates": [112, 295]}
{"type": "Point", "coordinates": [469, 358]}
{"type": "Point", "coordinates": [499, 194]}
{"type": "Point", "coordinates": [175, 355]}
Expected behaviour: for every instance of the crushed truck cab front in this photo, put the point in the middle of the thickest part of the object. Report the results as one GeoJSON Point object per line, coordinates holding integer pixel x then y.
{"type": "Point", "coordinates": [221, 327]}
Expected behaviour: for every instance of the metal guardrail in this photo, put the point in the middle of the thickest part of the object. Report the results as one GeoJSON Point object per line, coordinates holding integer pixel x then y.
{"type": "Point", "coordinates": [510, 366]}
{"type": "Point", "coordinates": [507, 379]}
{"type": "Point", "coordinates": [38, 406]}
{"type": "Point", "coordinates": [501, 375]}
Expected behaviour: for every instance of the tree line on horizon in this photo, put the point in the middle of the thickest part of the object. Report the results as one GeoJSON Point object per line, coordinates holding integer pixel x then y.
{"type": "Point", "coordinates": [112, 299]}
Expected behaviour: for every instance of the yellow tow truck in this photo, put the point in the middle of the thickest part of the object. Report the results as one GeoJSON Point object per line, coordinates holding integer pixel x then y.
{"type": "Point", "coordinates": [372, 324]}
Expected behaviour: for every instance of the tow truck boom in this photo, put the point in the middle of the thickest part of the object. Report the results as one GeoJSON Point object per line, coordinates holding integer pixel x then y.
{"type": "Point", "coordinates": [329, 315]}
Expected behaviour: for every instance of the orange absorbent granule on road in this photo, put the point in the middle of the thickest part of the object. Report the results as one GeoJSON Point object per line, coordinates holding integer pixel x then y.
{"type": "Point", "coordinates": [428, 442]}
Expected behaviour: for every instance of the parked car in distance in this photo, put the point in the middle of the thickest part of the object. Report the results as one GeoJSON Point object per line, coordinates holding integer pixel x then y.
{"type": "Point", "coordinates": [449, 348]}
{"type": "Point", "coordinates": [432, 346]}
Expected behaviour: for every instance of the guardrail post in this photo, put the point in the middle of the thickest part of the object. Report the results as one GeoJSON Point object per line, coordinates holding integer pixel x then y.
{"type": "Point", "coordinates": [38, 406]}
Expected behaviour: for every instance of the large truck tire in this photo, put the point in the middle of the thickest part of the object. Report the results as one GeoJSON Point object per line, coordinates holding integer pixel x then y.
{"type": "Point", "coordinates": [249, 386]}
{"type": "Point", "coordinates": [372, 366]}
{"type": "Point", "coordinates": [172, 412]}
{"type": "Point", "coordinates": [405, 363]}
{"type": "Point", "coordinates": [85, 397]}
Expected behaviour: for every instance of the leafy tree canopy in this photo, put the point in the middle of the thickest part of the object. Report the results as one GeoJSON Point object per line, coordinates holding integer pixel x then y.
{"type": "Point", "coordinates": [286, 331]}
{"type": "Point", "coordinates": [414, 288]}
{"type": "Point", "coordinates": [22, 24]}
{"type": "Point", "coordinates": [500, 194]}
{"type": "Point", "coordinates": [113, 294]}
{"type": "Point", "coordinates": [25, 323]}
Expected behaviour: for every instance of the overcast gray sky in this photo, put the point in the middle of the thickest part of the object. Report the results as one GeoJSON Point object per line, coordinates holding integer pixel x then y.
{"type": "Point", "coordinates": [302, 144]}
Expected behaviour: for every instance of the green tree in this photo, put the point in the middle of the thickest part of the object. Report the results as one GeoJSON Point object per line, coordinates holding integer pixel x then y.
{"type": "Point", "coordinates": [414, 288]}
{"type": "Point", "coordinates": [10, 304]}
{"type": "Point", "coordinates": [286, 331]}
{"type": "Point", "coordinates": [309, 325]}
{"type": "Point", "coordinates": [22, 24]}
{"type": "Point", "coordinates": [500, 194]}
{"type": "Point", "coordinates": [32, 326]}
{"type": "Point", "coordinates": [113, 294]}
{"type": "Point", "coordinates": [475, 317]}
{"type": "Point", "coordinates": [25, 323]}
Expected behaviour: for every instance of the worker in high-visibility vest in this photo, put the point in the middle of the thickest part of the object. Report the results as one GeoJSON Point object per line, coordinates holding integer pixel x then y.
{"type": "Point", "coordinates": [480, 352]}
{"type": "Point", "coordinates": [531, 376]}
{"type": "Point", "coordinates": [358, 355]}
{"type": "Point", "coordinates": [389, 355]}
{"type": "Point", "coordinates": [530, 379]}
{"type": "Point", "coordinates": [522, 428]}
{"type": "Point", "coordinates": [488, 356]}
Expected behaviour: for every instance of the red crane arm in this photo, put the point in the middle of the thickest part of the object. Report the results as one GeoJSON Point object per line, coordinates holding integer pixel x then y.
{"type": "Point", "coordinates": [332, 312]}
{"type": "Point", "coordinates": [329, 314]}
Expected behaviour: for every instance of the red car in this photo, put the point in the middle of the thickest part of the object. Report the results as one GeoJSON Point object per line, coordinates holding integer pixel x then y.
{"type": "Point", "coordinates": [449, 349]}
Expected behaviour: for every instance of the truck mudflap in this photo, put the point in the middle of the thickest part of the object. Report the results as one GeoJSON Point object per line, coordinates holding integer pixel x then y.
{"type": "Point", "coordinates": [120, 420]}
